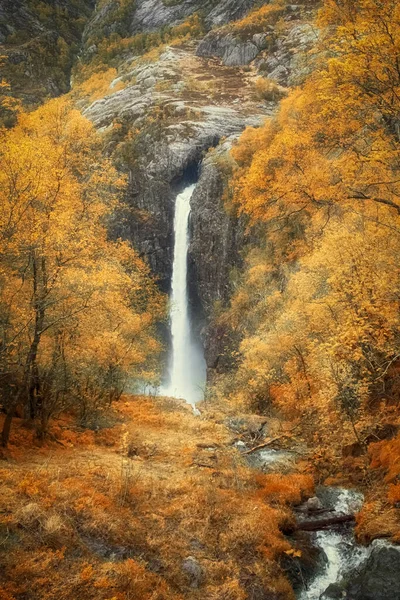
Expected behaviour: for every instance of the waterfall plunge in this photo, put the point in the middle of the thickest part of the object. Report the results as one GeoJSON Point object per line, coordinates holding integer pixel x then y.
{"type": "Point", "coordinates": [187, 370]}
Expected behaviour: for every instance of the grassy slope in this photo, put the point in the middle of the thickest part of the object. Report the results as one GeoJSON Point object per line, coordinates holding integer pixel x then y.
{"type": "Point", "coordinates": [113, 514]}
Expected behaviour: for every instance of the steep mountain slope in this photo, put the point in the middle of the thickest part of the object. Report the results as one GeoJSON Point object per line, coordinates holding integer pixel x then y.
{"type": "Point", "coordinates": [162, 92]}
{"type": "Point", "coordinates": [144, 16]}
{"type": "Point", "coordinates": [41, 41]}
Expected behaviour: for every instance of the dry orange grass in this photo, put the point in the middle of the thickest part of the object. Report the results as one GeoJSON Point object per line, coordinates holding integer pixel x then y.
{"type": "Point", "coordinates": [286, 489]}
{"type": "Point", "coordinates": [380, 516]}
{"type": "Point", "coordinates": [113, 515]}
{"type": "Point", "coordinates": [378, 519]}
{"type": "Point", "coordinates": [386, 455]}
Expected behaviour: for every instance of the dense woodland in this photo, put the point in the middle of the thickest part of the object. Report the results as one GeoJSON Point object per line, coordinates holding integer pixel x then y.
{"type": "Point", "coordinates": [315, 315]}
{"type": "Point", "coordinates": [311, 331]}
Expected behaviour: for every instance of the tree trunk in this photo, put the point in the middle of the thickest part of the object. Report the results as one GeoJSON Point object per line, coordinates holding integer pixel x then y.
{"type": "Point", "coordinates": [5, 434]}
{"type": "Point", "coordinates": [30, 369]}
{"type": "Point", "coordinates": [317, 524]}
{"type": "Point", "coordinates": [41, 431]}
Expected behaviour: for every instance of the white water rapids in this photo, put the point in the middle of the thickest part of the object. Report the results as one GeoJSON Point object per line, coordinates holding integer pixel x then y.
{"type": "Point", "coordinates": [341, 550]}
{"type": "Point", "coordinates": [186, 371]}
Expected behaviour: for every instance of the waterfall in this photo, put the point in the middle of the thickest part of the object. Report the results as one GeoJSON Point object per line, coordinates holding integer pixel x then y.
{"type": "Point", "coordinates": [186, 372]}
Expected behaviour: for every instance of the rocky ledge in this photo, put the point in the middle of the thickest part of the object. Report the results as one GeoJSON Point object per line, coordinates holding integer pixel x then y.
{"type": "Point", "coordinates": [182, 105]}
{"type": "Point", "coordinates": [378, 578]}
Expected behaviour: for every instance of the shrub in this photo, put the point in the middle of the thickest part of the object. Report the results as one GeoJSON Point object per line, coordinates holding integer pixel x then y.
{"type": "Point", "coordinates": [269, 90]}
{"type": "Point", "coordinates": [286, 489]}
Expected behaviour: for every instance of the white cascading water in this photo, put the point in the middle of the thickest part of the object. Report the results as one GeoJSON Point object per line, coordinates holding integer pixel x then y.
{"type": "Point", "coordinates": [341, 550]}
{"type": "Point", "coordinates": [186, 373]}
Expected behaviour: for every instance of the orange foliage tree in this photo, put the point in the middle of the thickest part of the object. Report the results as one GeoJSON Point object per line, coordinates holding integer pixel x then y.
{"type": "Point", "coordinates": [77, 309]}
{"type": "Point", "coordinates": [317, 307]}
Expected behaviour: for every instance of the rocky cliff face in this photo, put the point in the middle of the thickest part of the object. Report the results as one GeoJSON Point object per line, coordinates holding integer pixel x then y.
{"type": "Point", "coordinates": [144, 16]}
{"type": "Point", "coordinates": [202, 102]}
{"type": "Point", "coordinates": [173, 109]}
{"type": "Point", "coordinates": [217, 236]}
{"type": "Point", "coordinates": [279, 53]}
{"type": "Point", "coordinates": [153, 14]}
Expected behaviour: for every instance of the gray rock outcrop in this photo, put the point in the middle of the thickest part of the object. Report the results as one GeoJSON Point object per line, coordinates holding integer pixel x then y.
{"type": "Point", "coordinates": [287, 63]}
{"type": "Point", "coordinates": [231, 49]}
{"type": "Point", "coordinates": [279, 56]}
{"type": "Point", "coordinates": [151, 15]}
{"type": "Point", "coordinates": [146, 16]}
{"type": "Point", "coordinates": [214, 233]}
{"type": "Point", "coordinates": [193, 571]}
{"type": "Point", "coordinates": [216, 237]}
{"type": "Point", "coordinates": [378, 578]}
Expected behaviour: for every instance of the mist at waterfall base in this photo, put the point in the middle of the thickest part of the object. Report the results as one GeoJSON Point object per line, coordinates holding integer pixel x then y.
{"type": "Point", "coordinates": [186, 374]}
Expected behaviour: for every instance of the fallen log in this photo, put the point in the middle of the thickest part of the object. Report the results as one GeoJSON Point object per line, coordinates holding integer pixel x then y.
{"type": "Point", "coordinates": [271, 441]}
{"type": "Point", "coordinates": [264, 445]}
{"type": "Point", "coordinates": [317, 524]}
{"type": "Point", "coordinates": [313, 512]}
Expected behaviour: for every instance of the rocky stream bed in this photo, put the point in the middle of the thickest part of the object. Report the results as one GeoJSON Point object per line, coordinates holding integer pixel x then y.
{"type": "Point", "coordinates": [333, 565]}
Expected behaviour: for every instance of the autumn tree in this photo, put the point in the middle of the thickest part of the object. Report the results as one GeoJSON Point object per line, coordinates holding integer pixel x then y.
{"type": "Point", "coordinates": [336, 138]}
{"type": "Point", "coordinates": [76, 308]}
{"type": "Point", "coordinates": [317, 307]}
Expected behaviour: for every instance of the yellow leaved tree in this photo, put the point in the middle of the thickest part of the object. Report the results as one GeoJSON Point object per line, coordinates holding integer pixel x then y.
{"type": "Point", "coordinates": [77, 309]}
{"type": "Point", "coordinates": [317, 307]}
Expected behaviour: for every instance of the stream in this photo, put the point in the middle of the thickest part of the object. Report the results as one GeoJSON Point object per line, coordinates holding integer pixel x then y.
{"type": "Point", "coordinates": [341, 552]}
{"type": "Point", "coordinates": [350, 570]}
{"type": "Point", "coordinates": [346, 569]}
{"type": "Point", "coordinates": [341, 567]}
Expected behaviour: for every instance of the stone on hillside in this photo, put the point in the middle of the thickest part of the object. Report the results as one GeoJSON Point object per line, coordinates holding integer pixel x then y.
{"type": "Point", "coordinates": [379, 578]}
{"type": "Point", "coordinates": [193, 571]}
{"type": "Point", "coordinates": [228, 47]}
{"type": "Point", "coordinates": [260, 40]}
{"type": "Point", "coordinates": [314, 504]}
